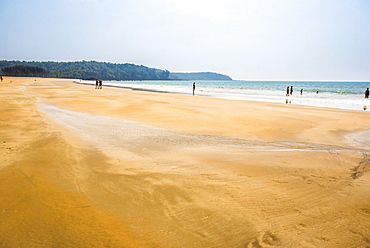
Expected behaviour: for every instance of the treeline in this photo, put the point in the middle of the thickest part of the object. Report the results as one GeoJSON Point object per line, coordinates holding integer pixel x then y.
{"type": "Point", "coordinates": [198, 76]}
{"type": "Point", "coordinates": [83, 70]}
{"type": "Point", "coordinates": [25, 71]}
{"type": "Point", "coordinates": [98, 70]}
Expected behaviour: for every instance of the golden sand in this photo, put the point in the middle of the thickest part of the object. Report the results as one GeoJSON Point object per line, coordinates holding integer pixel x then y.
{"type": "Point", "coordinates": [81, 167]}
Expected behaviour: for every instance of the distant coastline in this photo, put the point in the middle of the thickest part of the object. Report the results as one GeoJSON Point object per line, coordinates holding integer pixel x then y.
{"type": "Point", "coordinates": [199, 76]}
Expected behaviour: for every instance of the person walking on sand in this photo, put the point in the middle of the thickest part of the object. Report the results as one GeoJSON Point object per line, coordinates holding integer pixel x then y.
{"type": "Point", "coordinates": [96, 83]}
{"type": "Point", "coordinates": [100, 84]}
{"type": "Point", "coordinates": [193, 88]}
{"type": "Point", "coordinates": [1, 77]}
{"type": "Point", "coordinates": [367, 93]}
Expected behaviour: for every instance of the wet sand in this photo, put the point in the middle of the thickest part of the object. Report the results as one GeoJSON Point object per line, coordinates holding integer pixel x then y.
{"type": "Point", "coordinates": [119, 168]}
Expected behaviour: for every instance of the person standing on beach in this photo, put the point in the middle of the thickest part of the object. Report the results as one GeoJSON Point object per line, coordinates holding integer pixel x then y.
{"type": "Point", "coordinates": [1, 77]}
{"type": "Point", "coordinates": [96, 83]}
{"type": "Point", "coordinates": [301, 91]}
{"type": "Point", "coordinates": [291, 90]}
{"type": "Point", "coordinates": [367, 93]}
{"type": "Point", "coordinates": [193, 88]}
{"type": "Point", "coordinates": [287, 91]}
{"type": "Point", "coordinates": [100, 84]}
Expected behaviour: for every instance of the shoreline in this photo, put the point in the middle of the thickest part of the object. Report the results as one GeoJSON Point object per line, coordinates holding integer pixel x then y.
{"type": "Point", "coordinates": [116, 167]}
{"type": "Point", "coordinates": [308, 99]}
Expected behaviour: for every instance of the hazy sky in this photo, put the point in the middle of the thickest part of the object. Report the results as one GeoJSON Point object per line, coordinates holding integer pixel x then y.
{"type": "Point", "coordinates": [245, 39]}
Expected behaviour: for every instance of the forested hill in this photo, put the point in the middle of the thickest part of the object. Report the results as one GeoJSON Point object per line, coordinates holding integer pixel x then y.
{"type": "Point", "coordinates": [82, 70]}
{"type": "Point", "coordinates": [198, 76]}
{"type": "Point", "coordinates": [98, 70]}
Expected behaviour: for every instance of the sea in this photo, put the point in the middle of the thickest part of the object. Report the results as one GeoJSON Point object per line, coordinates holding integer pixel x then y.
{"type": "Point", "coordinates": [332, 94]}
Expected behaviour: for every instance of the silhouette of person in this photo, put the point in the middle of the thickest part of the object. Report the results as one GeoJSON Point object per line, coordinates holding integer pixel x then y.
{"type": "Point", "coordinates": [193, 88]}
{"type": "Point", "coordinates": [1, 77]}
{"type": "Point", "coordinates": [100, 84]}
{"type": "Point", "coordinates": [287, 91]}
{"type": "Point", "coordinates": [291, 90]}
{"type": "Point", "coordinates": [96, 84]}
{"type": "Point", "coordinates": [301, 91]}
{"type": "Point", "coordinates": [367, 93]}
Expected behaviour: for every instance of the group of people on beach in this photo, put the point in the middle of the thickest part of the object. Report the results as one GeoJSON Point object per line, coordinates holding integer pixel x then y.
{"type": "Point", "coordinates": [289, 91]}
{"type": "Point", "coordinates": [98, 84]}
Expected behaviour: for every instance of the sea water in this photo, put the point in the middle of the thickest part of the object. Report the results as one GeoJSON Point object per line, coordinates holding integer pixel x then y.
{"type": "Point", "coordinates": [339, 94]}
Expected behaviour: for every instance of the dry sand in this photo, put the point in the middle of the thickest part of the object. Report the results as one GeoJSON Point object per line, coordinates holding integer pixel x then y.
{"type": "Point", "coordinates": [118, 168]}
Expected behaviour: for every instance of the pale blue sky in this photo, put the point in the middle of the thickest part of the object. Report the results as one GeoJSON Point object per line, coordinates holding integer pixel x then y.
{"type": "Point", "coordinates": [245, 39]}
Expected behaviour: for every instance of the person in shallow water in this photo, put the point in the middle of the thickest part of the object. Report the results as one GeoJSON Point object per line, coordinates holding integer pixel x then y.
{"type": "Point", "coordinates": [367, 93]}
{"type": "Point", "coordinates": [193, 88]}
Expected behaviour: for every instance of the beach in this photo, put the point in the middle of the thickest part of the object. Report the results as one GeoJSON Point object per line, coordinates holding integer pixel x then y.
{"type": "Point", "coordinates": [86, 167]}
